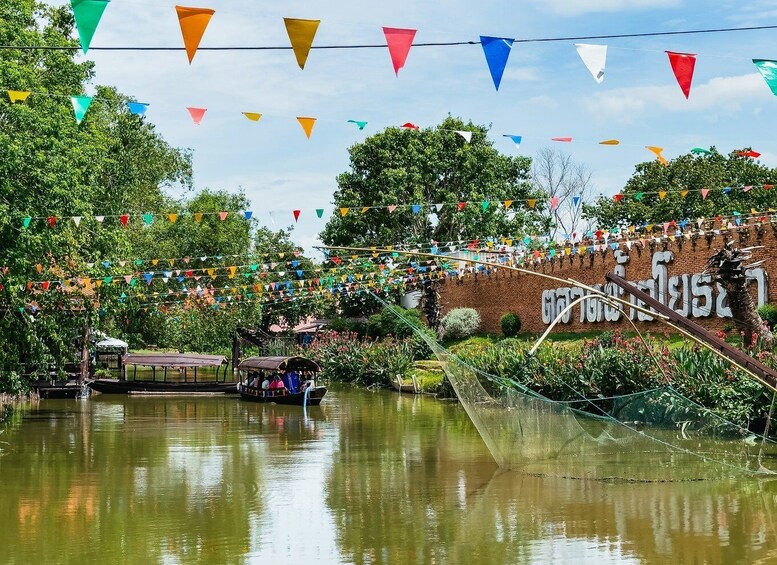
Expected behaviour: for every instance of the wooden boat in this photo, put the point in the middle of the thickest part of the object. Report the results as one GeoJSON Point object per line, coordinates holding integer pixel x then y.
{"type": "Point", "coordinates": [181, 363]}
{"type": "Point", "coordinates": [256, 368]}
{"type": "Point", "coordinates": [70, 389]}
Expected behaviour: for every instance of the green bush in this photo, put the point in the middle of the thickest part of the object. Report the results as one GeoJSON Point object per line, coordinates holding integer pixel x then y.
{"type": "Point", "coordinates": [388, 322]}
{"type": "Point", "coordinates": [460, 322]}
{"type": "Point", "coordinates": [768, 313]}
{"type": "Point", "coordinates": [511, 324]}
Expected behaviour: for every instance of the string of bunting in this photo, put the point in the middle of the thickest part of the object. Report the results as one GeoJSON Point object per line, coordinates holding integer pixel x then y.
{"type": "Point", "coordinates": [552, 203]}
{"type": "Point", "coordinates": [194, 21]}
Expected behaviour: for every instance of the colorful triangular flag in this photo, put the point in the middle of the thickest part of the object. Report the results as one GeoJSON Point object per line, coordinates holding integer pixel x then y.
{"type": "Point", "coordinates": [682, 66]}
{"type": "Point", "coordinates": [80, 106]}
{"type": "Point", "coordinates": [301, 34]}
{"type": "Point", "coordinates": [594, 58]}
{"type": "Point", "coordinates": [197, 114]}
{"type": "Point", "coordinates": [399, 42]}
{"type": "Point", "coordinates": [193, 23]}
{"type": "Point", "coordinates": [307, 125]}
{"type": "Point", "coordinates": [497, 50]}
{"type": "Point", "coordinates": [87, 15]}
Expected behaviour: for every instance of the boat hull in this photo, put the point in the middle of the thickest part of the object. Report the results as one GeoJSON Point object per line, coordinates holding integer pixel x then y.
{"type": "Point", "coordinates": [296, 399]}
{"type": "Point", "coordinates": [115, 386]}
{"type": "Point", "coordinates": [60, 391]}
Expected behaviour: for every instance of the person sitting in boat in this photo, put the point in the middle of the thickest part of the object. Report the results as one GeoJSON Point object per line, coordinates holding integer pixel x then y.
{"type": "Point", "coordinates": [277, 385]}
{"type": "Point", "coordinates": [292, 381]}
{"type": "Point", "coordinates": [266, 383]}
{"type": "Point", "coordinates": [255, 381]}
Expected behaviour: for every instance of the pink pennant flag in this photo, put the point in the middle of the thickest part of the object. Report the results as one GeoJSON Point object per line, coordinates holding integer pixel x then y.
{"type": "Point", "coordinates": [554, 202]}
{"type": "Point", "coordinates": [223, 215]}
{"type": "Point", "coordinates": [747, 188]}
{"type": "Point", "coordinates": [399, 42]}
{"type": "Point", "coordinates": [391, 208]}
{"type": "Point", "coordinates": [704, 193]}
{"type": "Point", "coordinates": [682, 66]}
{"type": "Point", "coordinates": [197, 114]}
{"type": "Point", "coordinates": [562, 139]}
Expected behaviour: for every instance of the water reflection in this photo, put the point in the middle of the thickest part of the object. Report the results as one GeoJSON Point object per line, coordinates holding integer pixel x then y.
{"type": "Point", "coordinates": [366, 478]}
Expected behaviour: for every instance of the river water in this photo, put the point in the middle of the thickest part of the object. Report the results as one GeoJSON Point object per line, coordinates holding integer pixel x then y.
{"type": "Point", "coordinates": [368, 477]}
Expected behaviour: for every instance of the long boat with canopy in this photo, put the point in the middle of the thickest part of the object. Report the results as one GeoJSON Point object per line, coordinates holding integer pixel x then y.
{"type": "Point", "coordinates": [169, 373]}
{"type": "Point", "coordinates": [282, 380]}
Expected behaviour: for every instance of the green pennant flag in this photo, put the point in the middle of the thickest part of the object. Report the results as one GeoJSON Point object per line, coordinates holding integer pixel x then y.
{"type": "Point", "coordinates": [87, 15]}
{"type": "Point", "coordinates": [319, 212]}
{"type": "Point", "coordinates": [80, 106]}
{"type": "Point", "coordinates": [484, 205]}
{"type": "Point", "coordinates": [26, 222]}
{"type": "Point", "coordinates": [768, 70]}
{"type": "Point", "coordinates": [148, 218]}
{"type": "Point", "coordinates": [639, 196]}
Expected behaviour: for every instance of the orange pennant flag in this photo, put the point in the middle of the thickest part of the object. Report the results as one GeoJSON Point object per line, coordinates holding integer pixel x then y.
{"type": "Point", "coordinates": [508, 203]}
{"type": "Point", "coordinates": [301, 34]}
{"type": "Point", "coordinates": [532, 202]}
{"type": "Point", "coordinates": [198, 217]}
{"type": "Point", "coordinates": [172, 217]}
{"type": "Point", "coordinates": [658, 152]}
{"type": "Point", "coordinates": [307, 124]}
{"type": "Point", "coordinates": [344, 211]}
{"type": "Point", "coordinates": [18, 95]}
{"type": "Point", "coordinates": [253, 116]}
{"type": "Point", "coordinates": [193, 23]}
{"type": "Point", "coordinates": [610, 142]}
{"type": "Point", "coordinates": [683, 193]}
{"type": "Point", "coordinates": [661, 194]}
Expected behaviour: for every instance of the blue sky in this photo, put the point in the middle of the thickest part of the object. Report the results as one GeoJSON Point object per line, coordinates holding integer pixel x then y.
{"type": "Point", "coordinates": [546, 90]}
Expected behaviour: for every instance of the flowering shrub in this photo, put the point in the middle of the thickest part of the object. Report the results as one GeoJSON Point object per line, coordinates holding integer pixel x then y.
{"type": "Point", "coordinates": [345, 357]}
{"type": "Point", "coordinates": [460, 322]}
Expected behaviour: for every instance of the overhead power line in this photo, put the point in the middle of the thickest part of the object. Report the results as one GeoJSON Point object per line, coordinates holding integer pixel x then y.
{"type": "Point", "coordinates": [383, 45]}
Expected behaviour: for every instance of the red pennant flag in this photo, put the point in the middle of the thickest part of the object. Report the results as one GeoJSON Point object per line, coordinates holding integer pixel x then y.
{"type": "Point", "coordinates": [45, 285]}
{"type": "Point", "coordinates": [462, 205]}
{"type": "Point", "coordinates": [409, 125]}
{"type": "Point", "coordinates": [52, 221]}
{"type": "Point", "coordinates": [296, 214]}
{"type": "Point", "coordinates": [124, 219]}
{"type": "Point", "coordinates": [197, 114]}
{"type": "Point", "coordinates": [682, 66]}
{"type": "Point", "coordinates": [753, 154]}
{"type": "Point", "coordinates": [399, 43]}
{"type": "Point", "coordinates": [618, 197]}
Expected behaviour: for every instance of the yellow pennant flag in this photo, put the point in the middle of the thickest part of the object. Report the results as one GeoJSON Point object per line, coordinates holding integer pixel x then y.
{"type": "Point", "coordinates": [344, 211]}
{"type": "Point", "coordinates": [658, 152]}
{"type": "Point", "coordinates": [532, 202]}
{"type": "Point", "coordinates": [661, 194]}
{"type": "Point", "coordinates": [98, 282]}
{"type": "Point", "coordinates": [173, 218]}
{"type": "Point", "coordinates": [301, 34]}
{"type": "Point", "coordinates": [683, 193]}
{"type": "Point", "coordinates": [193, 23]}
{"type": "Point", "coordinates": [232, 272]}
{"type": "Point", "coordinates": [364, 209]}
{"type": "Point", "coordinates": [211, 272]}
{"type": "Point", "coordinates": [610, 142]}
{"type": "Point", "coordinates": [155, 262]}
{"type": "Point", "coordinates": [253, 116]}
{"type": "Point", "coordinates": [18, 95]}
{"type": "Point", "coordinates": [307, 124]}
{"type": "Point", "coordinates": [198, 217]}
{"type": "Point", "coordinates": [508, 203]}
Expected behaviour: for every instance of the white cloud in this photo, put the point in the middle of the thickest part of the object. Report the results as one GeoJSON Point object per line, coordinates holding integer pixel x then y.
{"type": "Point", "coordinates": [578, 7]}
{"type": "Point", "coordinates": [721, 95]}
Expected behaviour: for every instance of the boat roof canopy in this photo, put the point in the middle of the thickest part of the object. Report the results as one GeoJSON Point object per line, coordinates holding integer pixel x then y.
{"type": "Point", "coordinates": [279, 364]}
{"type": "Point", "coordinates": [174, 360]}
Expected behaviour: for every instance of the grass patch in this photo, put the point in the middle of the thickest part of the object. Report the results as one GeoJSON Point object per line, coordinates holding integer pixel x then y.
{"type": "Point", "coordinates": [429, 375]}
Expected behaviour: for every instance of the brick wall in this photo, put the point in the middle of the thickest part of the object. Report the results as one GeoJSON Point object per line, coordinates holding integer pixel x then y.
{"type": "Point", "coordinates": [503, 291]}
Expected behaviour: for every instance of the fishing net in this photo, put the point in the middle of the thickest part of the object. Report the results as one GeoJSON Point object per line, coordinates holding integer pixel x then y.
{"type": "Point", "coordinates": [656, 435]}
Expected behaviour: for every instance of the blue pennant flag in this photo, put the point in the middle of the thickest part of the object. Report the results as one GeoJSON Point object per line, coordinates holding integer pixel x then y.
{"type": "Point", "coordinates": [148, 277]}
{"type": "Point", "coordinates": [137, 108]}
{"type": "Point", "coordinates": [575, 200]}
{"type": "Point", "coordinates": [497, 50]}
{"type": "Point", "coordinates": [415, 208]}
{"type": "Point", "coordinates": [248, 214]}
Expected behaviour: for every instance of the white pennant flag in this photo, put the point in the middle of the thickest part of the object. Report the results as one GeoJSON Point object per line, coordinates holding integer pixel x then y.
{"type": "Point", "coordinates": [99, 218]}
{"type": "Point", "coordinates": [594, 58]}
{"type": "Point", "coordinates": [438, 206]}
{"type": "Point", "coordinates": [77, 220]}
{"type": "Point", "coordinates": [467, 135]}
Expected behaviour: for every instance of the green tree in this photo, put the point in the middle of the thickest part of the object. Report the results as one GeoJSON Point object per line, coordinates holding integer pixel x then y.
{"type": "Point", "coordinates": [641, 202]}
{"type": "Point", "coordinates": [50, 166]}
{"type": "Point", "coordinates": [431, 166]}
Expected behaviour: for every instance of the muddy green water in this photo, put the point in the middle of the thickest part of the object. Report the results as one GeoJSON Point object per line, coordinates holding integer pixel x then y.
{"type": "Point", "coordinates": [366, 478]}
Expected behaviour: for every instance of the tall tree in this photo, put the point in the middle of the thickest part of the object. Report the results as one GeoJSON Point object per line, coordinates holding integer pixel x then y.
{"type": "Point", "coordinates": [427, 167]}
{"type": "Point", "coordinates": [51, 166]}
{"type": "Point", "coordinates": [642, 202]}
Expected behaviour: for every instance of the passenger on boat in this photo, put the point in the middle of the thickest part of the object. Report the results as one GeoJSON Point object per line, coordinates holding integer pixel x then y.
{"type": "Point", "coordinates": [292, 381]}
{"type": "Point", "coordinates": [255, 381]}
{"type": "Point", "coordinates": [277, 385]}
{"type": "Point", "coordinates": [266, 383]}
